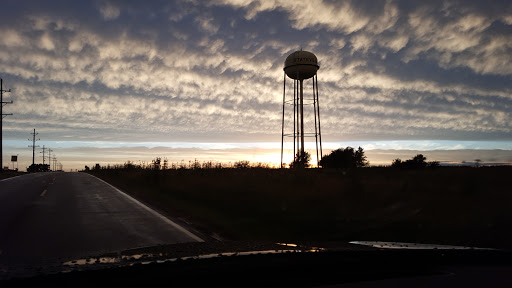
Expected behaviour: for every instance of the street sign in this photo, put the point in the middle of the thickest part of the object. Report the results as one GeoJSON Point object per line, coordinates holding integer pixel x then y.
{"type": "Point", "coordinates": [14, 158]}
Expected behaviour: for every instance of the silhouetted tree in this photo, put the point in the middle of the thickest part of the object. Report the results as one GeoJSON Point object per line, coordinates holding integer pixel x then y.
{"type": "Point", "coordinates": [195, 165]}
{"type": "Point", "coordinates": [207, 165]}
{"type": "Point", "coordinates": [301, 161]}
{"type": "Point", "coordinates": [433, 164]}
{"type": "Point", "coordinates": [87, 168]}
{"type": "Point", "coordinates": [345, 158]}
{"type": "Point", "coordinates": [38, 168]}
{"type": "Point", "coordinates": [155, 164]}
{"type": "Point", "coordinates": [397, 163]}
{"type": "Point", "coordinates": [417, 162]}
{"type": "Point", "coordinates": [243, 164]}
{"type": "Point", "coordinates": [360, 158]}
{"type": "Point", "coordinates": [129, 165]}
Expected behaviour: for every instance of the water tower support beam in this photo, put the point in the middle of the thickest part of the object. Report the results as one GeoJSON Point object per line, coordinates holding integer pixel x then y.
{"type": "Point", "coordinates": [301, 120]}
{"type": "Point", "coordinates": [315, 78]}
{"type": "Point", "coordinates": [282, 125]}
{"type": "Point", "coordinates": [294, 117]}
{"type": "Point", "coordinates": [297, 122]}
{"type": "Point", "coordinates": [316, 130]}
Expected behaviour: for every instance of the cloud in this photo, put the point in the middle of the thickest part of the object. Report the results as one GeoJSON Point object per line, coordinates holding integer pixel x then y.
{"type": "Point", "coordinates": [195, 71]}
{"type": "Point", "coordinates": [11, 38]}
{"type": "Point", "coordinates": [207, 23]}
{"type": "Point", "coordinates": [109, 11]}
{"type": "Point", "coordinates": [345, 16]}
{"type": "Point", "coordinates": [451, 30]}
{"type": "Point", "coordinates": [467, 157]}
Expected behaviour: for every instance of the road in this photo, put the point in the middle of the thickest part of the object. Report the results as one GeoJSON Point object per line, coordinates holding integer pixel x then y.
{"type": "Point", "coordinates": [57, 215]}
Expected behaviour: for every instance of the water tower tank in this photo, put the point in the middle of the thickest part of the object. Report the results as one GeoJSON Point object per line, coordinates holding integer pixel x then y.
{"type": "Point", "coordinates": [301, 65]}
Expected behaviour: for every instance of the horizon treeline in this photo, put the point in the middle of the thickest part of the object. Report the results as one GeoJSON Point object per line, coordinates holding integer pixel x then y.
{"type": "Point", "coordinates": [160, 163]}
{"type": "Point", "coordinates": [341, 158]}
{"type": "Point", "coordinates": [350, 158]}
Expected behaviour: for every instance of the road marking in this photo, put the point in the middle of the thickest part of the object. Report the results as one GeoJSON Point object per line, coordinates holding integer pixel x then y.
{"type": "Point", "coordinates": [44, 192]}
{"type": "Point", "coordinates": [165, 219]}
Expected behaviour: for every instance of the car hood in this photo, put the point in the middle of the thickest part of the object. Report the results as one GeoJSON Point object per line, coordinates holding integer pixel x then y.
{"type": "Point", "coordinates": [380, 259]}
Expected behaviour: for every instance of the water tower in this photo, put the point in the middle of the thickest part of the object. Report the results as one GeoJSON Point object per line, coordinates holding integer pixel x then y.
{"type": "Point", "coordinates": [299, 66]}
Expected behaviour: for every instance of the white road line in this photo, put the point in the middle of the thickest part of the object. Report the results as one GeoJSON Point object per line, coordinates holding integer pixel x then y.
{"type": "Point", "coordinates": [165, 219]}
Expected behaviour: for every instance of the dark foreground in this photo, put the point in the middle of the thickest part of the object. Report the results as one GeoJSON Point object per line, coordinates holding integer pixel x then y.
{"type": "Point", "coordinates": [320, 210]}
{"type": "Point", "coordinates": [448, 205]}
{"type": "Point", "coordinates": [338, 266]}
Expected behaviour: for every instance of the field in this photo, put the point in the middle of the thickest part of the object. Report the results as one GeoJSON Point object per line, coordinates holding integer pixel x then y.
{"type": "Point", "coordinates": [445, 205]}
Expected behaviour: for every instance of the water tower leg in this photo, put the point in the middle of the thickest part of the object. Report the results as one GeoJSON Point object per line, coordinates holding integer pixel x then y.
{"type": "Point", "coordinates": [318, 111]}
{"type": "Point", "coordinates": [294, 117]}
{"type": "Point", "coordinates": [282, 126]}
{"type": "Point", "coordinates": [301, 120]}
{"type": "Point", "coordinates": [316, 129]}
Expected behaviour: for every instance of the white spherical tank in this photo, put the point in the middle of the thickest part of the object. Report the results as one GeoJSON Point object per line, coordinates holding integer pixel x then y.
{"type": "Point", "coordinates": [301, 65]}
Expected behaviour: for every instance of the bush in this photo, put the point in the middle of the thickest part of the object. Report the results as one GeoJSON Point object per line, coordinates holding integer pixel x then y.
{"type": "Point", "coordinates": [38, 168]}
{"type": "Point", "coordinates": [345, 158]}
{"type": "Point", "coordinates": [301, 160]}
{"type": "Point", "coordinates": [243, 164]}
{"type": "Point", "coordinates": [417, 162]}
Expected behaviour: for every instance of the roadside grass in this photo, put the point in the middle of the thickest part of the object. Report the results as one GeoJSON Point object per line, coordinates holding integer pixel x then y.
{"type": "Point", "coordinates": [446, 205]}
{"type": "Point", "coordinates": [10, 173]}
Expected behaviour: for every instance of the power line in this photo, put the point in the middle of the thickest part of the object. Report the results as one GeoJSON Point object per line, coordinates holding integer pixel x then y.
{"type": "Point", "coordinates": [2, 115]}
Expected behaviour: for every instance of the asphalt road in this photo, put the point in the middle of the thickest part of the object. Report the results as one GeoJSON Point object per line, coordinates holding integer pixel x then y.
{"type": "Point", "coordinates": [56, 216]}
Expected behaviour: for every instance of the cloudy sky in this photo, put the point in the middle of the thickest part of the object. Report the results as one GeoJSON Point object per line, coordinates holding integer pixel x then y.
{"type": "Point", "coordinates": [111, 81]}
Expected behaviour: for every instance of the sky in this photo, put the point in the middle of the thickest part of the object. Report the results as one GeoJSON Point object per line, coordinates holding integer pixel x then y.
{"type": "Point", "coordinates": [112, 81]}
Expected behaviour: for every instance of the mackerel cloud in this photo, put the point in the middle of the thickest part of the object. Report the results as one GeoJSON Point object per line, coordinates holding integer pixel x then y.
{"type": "Point", "coordinates": [212, 70]}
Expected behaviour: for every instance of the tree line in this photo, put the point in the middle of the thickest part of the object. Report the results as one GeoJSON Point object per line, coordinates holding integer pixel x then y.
{"type": "Point", "coordinates": [347, 158]}
{"type": "Point", "coordinates": [159, 164]}
{"type": "Point", "coordinates": [341, 158]}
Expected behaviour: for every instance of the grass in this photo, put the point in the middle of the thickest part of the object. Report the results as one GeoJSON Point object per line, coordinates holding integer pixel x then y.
{"type": "Point", "coordinates": [450, 205]}
{"type": "Point", "coordinates": [10, 173]}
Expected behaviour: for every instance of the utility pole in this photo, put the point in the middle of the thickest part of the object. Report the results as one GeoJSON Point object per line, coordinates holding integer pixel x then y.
{"type": "Point", "coordinates": [2, 115]}
{"type": "Point", "coordinates": [54, 162]}
{"type": "Point", "coordinates": [34, 145]}
{"type": "Point", "coordinates": [50, 157]}
{"type": "Point", "coordinates": [44, 154]}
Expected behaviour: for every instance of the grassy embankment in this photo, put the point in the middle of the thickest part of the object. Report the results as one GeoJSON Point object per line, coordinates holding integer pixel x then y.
{"type": "Point", "coordinates": [9, 173]}
{"type": "Point", "coordinates": [451, 205]}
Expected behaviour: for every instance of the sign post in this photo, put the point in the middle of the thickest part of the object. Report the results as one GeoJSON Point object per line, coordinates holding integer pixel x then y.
{"type": "Point", "coordinates": [14, 158]}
